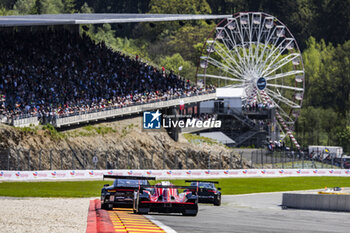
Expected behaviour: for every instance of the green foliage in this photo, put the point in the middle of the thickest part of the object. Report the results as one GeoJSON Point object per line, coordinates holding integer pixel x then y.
{"type": "Point", "coordinates": [86, 9]}
{"type": "Point", "coordinates": [51, 7]}
{"type": "Point", "coordinates": [318, 126]}
{"type": "Point", "coordinates": [23, 7]}
{"type": "Point", "coordinates": [133, 47]}
{"type": "Point", "coordinates": [174, 62]}
{"type": "Point", "coordinates": [69, 6]}
{"type": "Point", "coordinates": [102, 130]}
{"type": "Point", "coordinates": [344, 138]}
{"type": "Point", "coordinates": [32, 130]}
{"type": "Point", "coordinates": [195, 139]}
{"type": "Point", "coordinates": [53, 132]}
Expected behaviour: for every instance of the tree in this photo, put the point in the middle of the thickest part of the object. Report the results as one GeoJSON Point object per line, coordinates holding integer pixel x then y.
{"type": "Point", "coordinates": [50, 6]}
{"type": "Point", "coordinates": [25, 7]}
{"type": "Point", "coordinates": [69, 6]}
{"type": "Point", "coordinates": [175, 62]}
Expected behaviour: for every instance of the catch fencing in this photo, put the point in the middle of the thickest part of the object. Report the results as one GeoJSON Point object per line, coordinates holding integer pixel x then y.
{"type": "Point", "coordinates": [74, 159]}
{"type": "Point", "coordinates": [294, 160]}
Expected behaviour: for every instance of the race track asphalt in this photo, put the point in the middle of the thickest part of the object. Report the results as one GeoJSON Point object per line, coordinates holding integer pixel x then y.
{"type": "Point", "coordinates": [256, 213]}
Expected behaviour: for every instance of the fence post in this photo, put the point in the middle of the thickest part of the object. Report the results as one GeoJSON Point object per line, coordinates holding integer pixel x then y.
{"type": "Point", "coordinates": [302, 162]}
{"type": "Point", "coordinates": [106, 160]}
{"type": "Point", "coordinates": [262, 159]}
{"type": "Point", "coordinates": [29, 160]}
{"type": "Point", "coordinates": [241, 154]}
{"type": "Point", "coordinates": [61, 159]}
{"type": "Point", "coordinates": [332, 161]}
{"type": "Point", "coordinates": [341, 162]}
{"type": "Point", "coordinates": [231, 159]}
{"type": "Point", "coordinates": [18, 159]}
{"type": "Point", "coordinates": [152, 157]}
{"type": "Point", "coordinates": [128, 160]}
{"type": "Point", "coordinates": [8, 159]}
{"type": "Point", "coordinates": [221, 162]}
{"type": "Point", "coordinates": [251, 158]}
{"type": "Point", "coordinates": [85, 160]}
{"type": "Point", "coordinates": [40, 153]}
{"type": "Point", "coordinates": [116, 160]}
{"type": "Point", "coordinates": [73, 166]}
{"type": "Point", "coordinates": [292, 160]}
{"type": "Point", "coordinates": [51, 159]}
{"type": "Point", "coordinates": [209, 161]}
{"type": "Point", "coordinates": [272, 155]}
{"type": "Point", "coordinates": [176, 161]}
{"type": "Point", "coordinates": [140, 160]}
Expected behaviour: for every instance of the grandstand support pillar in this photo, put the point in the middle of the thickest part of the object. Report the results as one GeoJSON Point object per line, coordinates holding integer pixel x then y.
{"type": "Point", "coordinates": [173, 131]}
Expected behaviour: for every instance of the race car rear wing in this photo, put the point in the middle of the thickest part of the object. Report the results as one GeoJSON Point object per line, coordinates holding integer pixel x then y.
{"type": "Point", "coordinates": [168, 186]}
{"type": "Point", "coordinates": [129, 177]}
{"type": "Point", "coordinates": [202, 181]}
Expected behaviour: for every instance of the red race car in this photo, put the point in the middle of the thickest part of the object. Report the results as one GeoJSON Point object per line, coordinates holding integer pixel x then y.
{"type": "Point", "coordinates": [165, 197]}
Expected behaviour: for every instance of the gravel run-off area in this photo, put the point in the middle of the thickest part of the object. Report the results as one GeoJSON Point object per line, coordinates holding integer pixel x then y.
{"type": "Point", "coordinates": [43, 214]}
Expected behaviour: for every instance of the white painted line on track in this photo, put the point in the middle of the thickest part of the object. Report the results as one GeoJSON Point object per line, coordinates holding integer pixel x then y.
{"type": "Point", "coordinates": [160, 224]}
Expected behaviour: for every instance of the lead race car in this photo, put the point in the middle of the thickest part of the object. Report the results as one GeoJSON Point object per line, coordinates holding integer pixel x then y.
{"type": "Point", "coordinates": [207, 192]}
{"type": "Point", "coordinates": [121, 192]}
{"type": "Point", "coordinates": [165, 197]}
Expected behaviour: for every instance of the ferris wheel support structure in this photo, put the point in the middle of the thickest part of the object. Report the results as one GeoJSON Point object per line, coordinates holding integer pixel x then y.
{"type": "Point", "coordinates": [257, 52]}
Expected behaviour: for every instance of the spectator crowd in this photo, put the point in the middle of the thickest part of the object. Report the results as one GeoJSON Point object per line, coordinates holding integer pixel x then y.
{"type": "Point", "coordinates": [59, 73]}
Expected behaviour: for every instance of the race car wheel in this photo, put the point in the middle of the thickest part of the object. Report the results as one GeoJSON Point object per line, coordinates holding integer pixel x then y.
{"type": "Point", "coordinates": [143, 211]}
{"type": "Point", "coordinates": [217, 201]}
{"type": "Point", "coordinates": [190, 213]}
{"type": "Point", "coordinates": [107, 206]}
{"type": "Point", "coordinates": [104, 206]}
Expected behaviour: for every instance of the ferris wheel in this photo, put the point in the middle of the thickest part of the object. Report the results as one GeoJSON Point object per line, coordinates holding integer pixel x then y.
{"type": "Point", "coordinates": [257, 52]}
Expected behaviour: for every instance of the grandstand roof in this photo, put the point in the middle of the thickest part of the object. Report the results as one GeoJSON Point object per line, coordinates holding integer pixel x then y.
{"type": "Point", "coordinates": [60, 19]}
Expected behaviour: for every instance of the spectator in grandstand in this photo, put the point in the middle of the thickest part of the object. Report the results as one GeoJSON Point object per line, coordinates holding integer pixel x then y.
{"type": "Point", "coordinates": [59, 73]}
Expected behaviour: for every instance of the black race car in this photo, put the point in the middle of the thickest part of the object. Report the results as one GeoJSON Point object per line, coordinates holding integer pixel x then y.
{"type": "Point", "coordinates": [121, 193]}
{"type": "Point", "coordinates": [207, 192]}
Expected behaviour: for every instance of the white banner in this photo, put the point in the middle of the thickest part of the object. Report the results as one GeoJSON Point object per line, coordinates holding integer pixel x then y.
{"type": "Point", "coordinates": [166, 174]}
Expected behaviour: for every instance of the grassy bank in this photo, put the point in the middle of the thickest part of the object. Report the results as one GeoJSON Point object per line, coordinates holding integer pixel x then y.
{"type": "Point", "coordinates": [228, 185]}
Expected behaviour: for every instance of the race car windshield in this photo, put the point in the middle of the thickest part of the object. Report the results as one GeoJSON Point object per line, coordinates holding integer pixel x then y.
{"type": "Point", "coordinates": [203, 185]}
{"type": "Point", "coordinates": [129, 183]}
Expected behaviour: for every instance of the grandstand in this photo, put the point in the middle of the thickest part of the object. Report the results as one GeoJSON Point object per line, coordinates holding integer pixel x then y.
{"type": "Point", "coordinates": [58, 75]}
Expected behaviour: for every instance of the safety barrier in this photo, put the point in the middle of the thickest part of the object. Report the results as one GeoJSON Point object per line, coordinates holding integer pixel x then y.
{"type": "Point", "coordinates": [25, 122]}
{"type": "Point", "coordinates": [167, 174]}
{"type": "Point", "coordinates": [129, 110]}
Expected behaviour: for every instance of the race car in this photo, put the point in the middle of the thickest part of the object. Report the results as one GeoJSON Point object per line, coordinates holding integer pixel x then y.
{"type": "Point", "coordinates": [121, 193]}
{"type": "Point", "coordinates": [165, 197]}
{"type": "Point", "coordinates": [207, 192]}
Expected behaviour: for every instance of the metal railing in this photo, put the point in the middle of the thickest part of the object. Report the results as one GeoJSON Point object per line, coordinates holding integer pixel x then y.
{"type": "Point", "coordinates": [110, 112]}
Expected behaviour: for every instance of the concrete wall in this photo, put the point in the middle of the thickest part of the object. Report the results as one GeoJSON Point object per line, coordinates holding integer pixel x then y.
{"type": "Point", "coordinates": [330, 202]}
